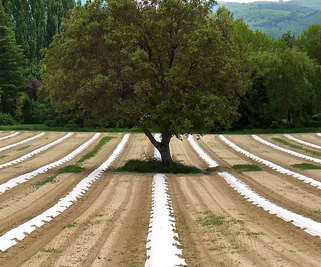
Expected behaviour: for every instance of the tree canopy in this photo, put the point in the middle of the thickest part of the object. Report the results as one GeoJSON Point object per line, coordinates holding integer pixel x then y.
{"type": "Point", "coordinates": [161, 65]}
{"type": "Point", "coordinates": [310, 41]}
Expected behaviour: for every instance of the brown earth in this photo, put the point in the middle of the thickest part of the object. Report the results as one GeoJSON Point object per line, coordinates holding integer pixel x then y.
{"type": "Point", "coordinates": [108, 225]}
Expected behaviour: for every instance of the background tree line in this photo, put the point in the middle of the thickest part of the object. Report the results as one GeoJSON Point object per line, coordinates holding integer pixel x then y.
{"type": "Point", "coordinates": [286, 77]}
{"type": "Point", "coordinates": [27, 27]}
{"type": "Point", "coordinates": [285, 80]}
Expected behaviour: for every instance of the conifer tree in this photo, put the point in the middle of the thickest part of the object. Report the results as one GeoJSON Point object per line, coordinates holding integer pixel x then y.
{"type": "Point", "coordinates": [11, 62]}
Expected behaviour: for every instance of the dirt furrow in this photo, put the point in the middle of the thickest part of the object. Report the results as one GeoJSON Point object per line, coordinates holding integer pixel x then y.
{"type": "Point", "coordinates": [78, 240]}
{"type": "Point", "coordinates": [182, 151]}
{"type": "Point", "coordinates": [136, 148]}
{"type": "Point", "coordinates": [108, 225]}
{"type": "Point", "coordinates": [17, 138]}
{"type": "Point", "coordinates": [16, 152]}
{"type": "Point", "coordinates": [281, 189]}
{"type": "Point", "coordinates": [247, 236]}
{"type": "Point", "coordinates": [32, 198]}
{"type": "Point", "coordinates": [310, 138]}
{"type": "Point", "coordinates": [51, 155]}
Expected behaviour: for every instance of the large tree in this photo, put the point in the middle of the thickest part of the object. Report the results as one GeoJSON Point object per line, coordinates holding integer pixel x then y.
{"type": "Point", "coordinates": [310, 41]}
{"type": "Point", "coordinates": [290, 83]}
{"type": "Point", "coordinates": [11, 65]}
{"type": "Point", "coordinates": [161, 65]}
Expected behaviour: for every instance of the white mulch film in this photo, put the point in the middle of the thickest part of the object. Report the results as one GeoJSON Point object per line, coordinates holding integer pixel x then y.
{"type": "Point", "coordinates": [25, 177]}
{"type": "Point", "coordinates": [308, 225]}
{"type": "Point", "coordinates": [10, 135]}
{"type": "Point", "coordinates": [293, 153]}
{"type": "Point", "coordinates": [211, 163]}
{"type": "Point", "coordinates": [162, 250]}
{"type": "Point", "coordinates": [10, 238]}
{"type": "Point", "coordinates": [22, 142]}
{"type": "Point", "coordinates": [274, 166]}
{"type": "Point", "coordinates": [35, 152]}
{"type": "Point", "coordinates": [157, 155]}
{"type": "Point", "coordinates": [301, 141]}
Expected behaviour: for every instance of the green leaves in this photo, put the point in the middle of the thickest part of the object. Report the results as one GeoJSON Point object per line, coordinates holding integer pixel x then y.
{"type": "Point", "coordinates": [163, 65]}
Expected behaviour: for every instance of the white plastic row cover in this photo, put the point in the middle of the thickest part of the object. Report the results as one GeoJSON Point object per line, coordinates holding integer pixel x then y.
{"type": "Point", "coordinates": [211, 163]}
{"type": "Point", "coordinates": [157, 155]}
{"type": "Point", "coordinates": [162, 239]}
{"type": "Point", "coordinates": [10, 238]}
{"type": "Point", "coordinates": [286, 150]}
{"type": "Point", "coordinates": [301, 141]}
{"type": "Point", "coordinates": [25, 177]}
{"type": "Point", "coordinates": [22, 142]}
{"type": "Point", "coordinates": [274, 166]}
{"type": "Point", "coordinates": [35, 152]}
{"type": "Point", "coordinates": [10, 135]}
{"type": "Point", "coordinates": [308, 225]}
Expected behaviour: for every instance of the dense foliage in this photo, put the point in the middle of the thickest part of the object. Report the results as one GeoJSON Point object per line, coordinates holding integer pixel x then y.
{"type": "Point", "coordinates": [284, 91]}
{"type": "Point", "coordinates": [26, 27]}
{"type": "Point", "coordinates": [162, 65]}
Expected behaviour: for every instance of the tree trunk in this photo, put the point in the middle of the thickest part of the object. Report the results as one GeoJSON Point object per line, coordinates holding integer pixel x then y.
{"type": "Point", "coordinates": [163, 146]}
{"type": "Point", "coordinates": [165, 154]}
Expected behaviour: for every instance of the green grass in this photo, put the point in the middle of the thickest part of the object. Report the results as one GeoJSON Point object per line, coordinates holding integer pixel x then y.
{"type": "Point", "coordinates": [247, 167]}
{"type": "Point", "coordinates": [286, 143]}
{"type": "Point", "coordinates": [51, 179]}
{"type": "Point", "coordinates": [42, 127]}
{"type": "Point", "coordinates": [23, 148]}
{"type": "Point", "coordinates": [255, 234]}
{"type": "Point", "coordinates": [92, 153]}
{"type": "Point", "coordinates": [50, 250]}
{"type": "Point", "coordinates": [66, 128]}
{"type": "Point", "coordinates": [71, 169]}
{"type": "Point", "coordinates": [154, 167]}
{"type": "Point", "coordinates": [210, 219]}
{"type": "Point", "coordinates": [70, 225]}
{"type": "Point", "coordinates": [4, 156]}
{"type": "Point", "coordinates": [306, 166]}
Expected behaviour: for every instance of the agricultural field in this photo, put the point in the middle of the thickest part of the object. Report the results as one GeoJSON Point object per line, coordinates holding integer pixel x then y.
{"type": "Point", "coordinates": [62, 202]}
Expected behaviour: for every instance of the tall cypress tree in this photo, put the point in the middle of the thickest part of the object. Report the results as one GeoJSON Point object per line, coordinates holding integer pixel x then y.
{"type": "Point", "coordinates": [11, 65]}
{"type": "Point", "coordinates": [36, 22]}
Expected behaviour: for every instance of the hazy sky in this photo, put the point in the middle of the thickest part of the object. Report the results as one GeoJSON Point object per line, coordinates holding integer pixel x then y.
{"type": "Point", "coordinates": [248, 1]}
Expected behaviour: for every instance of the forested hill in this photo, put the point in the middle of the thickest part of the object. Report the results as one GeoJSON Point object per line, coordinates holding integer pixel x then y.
{"type": "Point", "coordinates": [276, 18]}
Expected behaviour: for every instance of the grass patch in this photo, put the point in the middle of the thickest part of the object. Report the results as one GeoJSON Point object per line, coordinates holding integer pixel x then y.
{"type": "Point", "coordinates": [255, 234]}
{"type": "Point", "coordinates": [210, 219]}
{"type": "Point", "coordinates": [23, 148]}
{"type": "Point", "coordinates": [306, 166]}
{"type": "Point", "coordinates": [3, 156]}
{"type": "Point", "coordinates": [286, 143]}
{"type": "Point", "coordinates": [92, 153]}
{"type": "Point", "coordinates": [70, 225]}
{"type": "Point", "coordinates": [51, 179]}
{"type": "Point", "coordinates": [50, 250]}
{"type": "Point", "coordinates": [71, 169]}
{"type": "Point", "coordinates": [247, 167]}
{"type": "Point", "coordinates": [91, 223]}
{"type": "Point", "coordinates": [154, 167]}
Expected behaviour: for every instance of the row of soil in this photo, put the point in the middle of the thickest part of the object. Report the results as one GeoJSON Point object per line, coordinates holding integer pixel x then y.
{"type": "Point", "coordinates": [258, 238]}
{"type": "Point", "coordinates": [108, 226]}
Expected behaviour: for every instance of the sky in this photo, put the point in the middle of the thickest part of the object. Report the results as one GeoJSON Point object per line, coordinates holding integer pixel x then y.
{"type": "Point", "coordinates": [248, 1]}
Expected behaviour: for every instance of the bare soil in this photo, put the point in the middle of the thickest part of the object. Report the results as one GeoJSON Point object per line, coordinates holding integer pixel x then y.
{"type": "Point", "coordinates": [108, 226]}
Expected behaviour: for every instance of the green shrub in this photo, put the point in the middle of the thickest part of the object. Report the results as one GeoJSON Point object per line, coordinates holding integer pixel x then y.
{"type": "Point", "coordinates": [154, 167]}
{"type": "Point", "coordinates": [6, 119]}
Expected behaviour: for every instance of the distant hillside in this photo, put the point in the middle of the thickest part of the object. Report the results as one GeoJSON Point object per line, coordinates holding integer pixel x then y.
{"type": "Point", "coordinates": [276, 18]}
